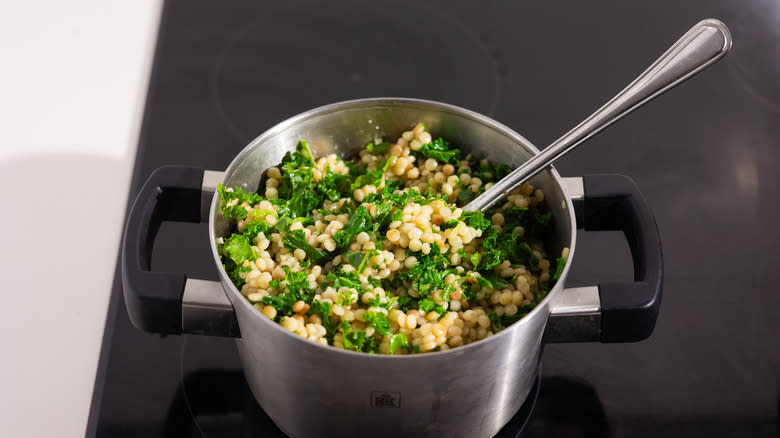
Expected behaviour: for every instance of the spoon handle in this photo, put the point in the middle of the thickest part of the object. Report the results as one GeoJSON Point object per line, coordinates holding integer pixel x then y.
{"type": "Point", "coordinates": [701, 46]}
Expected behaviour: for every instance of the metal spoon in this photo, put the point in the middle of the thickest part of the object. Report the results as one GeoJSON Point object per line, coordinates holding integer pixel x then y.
{"type": "Point", "coordinates": [701, 46]}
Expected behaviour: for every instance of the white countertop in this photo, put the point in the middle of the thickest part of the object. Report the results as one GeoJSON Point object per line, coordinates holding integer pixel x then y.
{"type": "Point", "coordinates": [73, 86]}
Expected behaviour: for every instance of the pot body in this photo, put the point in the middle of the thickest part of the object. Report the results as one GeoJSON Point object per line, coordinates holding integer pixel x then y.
{"type": "Point", "coordinates": [310, 390]}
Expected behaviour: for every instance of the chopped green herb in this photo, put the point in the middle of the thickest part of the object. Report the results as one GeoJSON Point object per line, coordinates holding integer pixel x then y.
{"type": "Point", "coordinates": [334, 186]}
{"type": "Point", "coordinates": [407, 303]}
{"type": "Point", "coordinates": [234, 274]}
{"type": "Point", "coordinates": [255, 228]}
{"type": "Point", "coordinates": [452, 223]}
{"type": "Point", "coordinates": [560, 263]}
{"type": "Point", "coordinates": [439, 150]}
{"type": "Point", "coordinates": [339, 279]}
{"type": "Point", "coordinates": [466, 195]}
{"type": "Point", "coordinates": [398, 341]}
{"type": "Point", "coordinates": [344, 297]}
{"type": "Point", "coordinates": [428, 305]}
{"type": "Point", "coordinates": [297, 240]}
{"type": "Point", "coordinates": [322, 309]}
{"type": "Point", "coordinates": [358, 222]}
{"type": "Point", "coordinates": [373, 177]}
{"type": "Point", "coordinates": [378, 148]}
{"type": "Point", "coordinates": [378, 320]}
{"type": "Point", "coordinates": [515, 249]}
{"type": "Point", "coordinates": [238, 248]}
{"type": "Point", "coordinates": [497, 282]}
{"type": "Point", "coordinates": [236, 211]}
{"type": "Point", "coordinates": [476, 220]}
{"type": "Point", "coordinates": [357, 340]}
{"type": "Point", "coordinates": [491, 256]}
{"type": "Point", "coordinates": [359, 259]}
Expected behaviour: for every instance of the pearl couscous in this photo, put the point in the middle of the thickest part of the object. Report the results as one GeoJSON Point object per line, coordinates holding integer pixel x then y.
{"type": "Point", "coordinates": [375, 255]}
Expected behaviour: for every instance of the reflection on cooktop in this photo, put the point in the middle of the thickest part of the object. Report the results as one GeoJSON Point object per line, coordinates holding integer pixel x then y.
{"type": "Point", "coordinates": [353, 50]}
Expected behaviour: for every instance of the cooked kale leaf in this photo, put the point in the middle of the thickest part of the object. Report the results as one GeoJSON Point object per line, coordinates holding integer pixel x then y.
{"type": "Point", "coordinates": [475, 219]}
{"type": "Point", "coordinates": [560, 263]}
{"type": "Point", "coordinates": [297, 240]}
{"type": "Point", "coordinates": [397, 341]}
{"type": "Point", "coordinates": [236, 211]}
{"type": "Point", "coordinates": [439, 150]}
{"type": "Point", "coordinates": [238, 248]}
{"type": "Point", "coordinates": [373, 177]}
{"type": "Point", "coordinates": [378, 320]}
{"type": "Point", "coordinates": [358, 222]}
{"type": "Point", "coordinates": [379, 148]}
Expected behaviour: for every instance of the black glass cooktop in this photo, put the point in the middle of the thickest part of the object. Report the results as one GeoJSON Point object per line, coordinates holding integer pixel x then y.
{"type": "Point", "coordinates": [705, 156]}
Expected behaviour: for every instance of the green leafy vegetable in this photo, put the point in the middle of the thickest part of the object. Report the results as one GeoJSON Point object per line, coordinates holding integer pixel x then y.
{"type": "Point", "coordinates": [407, 303]}
{"type": "Point", "coordinates": [399, 341]}
{"type": "Point", "coordinates": [294, 287]}
{"type": "Point", "coordinates": [255, 228]}
{"type": "Point", "coordinates": [234, 274]}
{"type": "Point", "coordinates": [282, 303]}
{"type": "Point", "coordinates": [491, 254]}
{"type": "Point", "coordinates": [439, 150]}
{"type": "Point", "coordinates": [491, 172]}
{"type": "Point", "coordinates": [373, 177]}
{"type": "Point", "coordinates": [452, 223]}
{"type": "Point", "coordinates": [236, 211]}
{"type": "Point", "coordinates": [303, 202]}
{"type": "Point", "coordinates": [476, 219]}
{"type": "Point", "coordinates": [560, 263]}
{"type": "Point", "coordinates": [334, 186]}
{"type": "Point", "coordinates": [515, 249]}
{"type": "Point", "coordinates": [357, 340]}
{"type": "Point", "coordinates": [283, 225]}
{"type": "Point", "coordinates": [359, 259]}
{"type": "Point", "coordinates": [469, 292]}
{"type": "Point", "coordinates": [378, 320]}
{"type": "Point", "coordinates": [322, 309]}
{"type": "Point", "coordinates": [297, 240]}
{"type": "Point", "coordinates": [388, 304]}
{"type": "Point", "coordinates": [339, 279]}
{"type": "Point", "coordinates": [383, 217]}
{"type": "Point", "coordinates": [378, 148]}
{"type": "Point", "coordinates": [534, 225]}
{"type": "Point", "coordinates": [427, 305]}
{"type": "Point", "coordinates": [466, 195]}
{"type": "Point", "coordinates": [483, 281]}
{"type": "Point", "coordinates": [344, 297]}
{"type": "Point", "coordinates": [497, 282]}
{"type": "Point", "coordinates": [495, 321]}
{"type": "Point", "coordinates": [296, 171]}
{"type": "Point", "coordinates": [428, 273]}
{"type": "Point", "coordinates": [358, 222]}
{"type": "Point", "coordinates": [238, 248]}
{"type": "Point", "coordinates": [474, 259]}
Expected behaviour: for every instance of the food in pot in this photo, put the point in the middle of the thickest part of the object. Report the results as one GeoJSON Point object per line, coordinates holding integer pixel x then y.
{"type": "Point", "coordinates": [375, 255]}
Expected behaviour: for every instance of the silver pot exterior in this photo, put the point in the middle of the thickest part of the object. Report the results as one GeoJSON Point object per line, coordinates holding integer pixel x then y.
{"type": "Point", "coordinates": [310, 390]}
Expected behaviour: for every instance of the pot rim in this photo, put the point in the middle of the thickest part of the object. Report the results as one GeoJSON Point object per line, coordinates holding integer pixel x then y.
{"type": "Point", "coordinates": [348, 104]}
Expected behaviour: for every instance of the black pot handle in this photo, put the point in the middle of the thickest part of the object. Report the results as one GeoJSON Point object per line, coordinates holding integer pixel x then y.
{"type": "Point", "coordinates": [628, 310]}
{"type": "Point", "coordinates": [154, 299]}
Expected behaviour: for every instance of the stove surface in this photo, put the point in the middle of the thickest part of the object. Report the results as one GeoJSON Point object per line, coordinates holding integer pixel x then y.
{"type": "Point", "coordinates": [705, 156]}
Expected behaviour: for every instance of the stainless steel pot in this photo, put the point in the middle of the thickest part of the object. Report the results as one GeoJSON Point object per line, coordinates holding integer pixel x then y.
{"type": "Point", "coordinates": [310, 390]}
